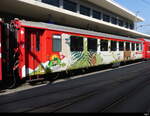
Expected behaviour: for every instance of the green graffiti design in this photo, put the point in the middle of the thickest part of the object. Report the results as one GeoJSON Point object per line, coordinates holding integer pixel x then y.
{"type": "Point", "coordinates": [54, 62]}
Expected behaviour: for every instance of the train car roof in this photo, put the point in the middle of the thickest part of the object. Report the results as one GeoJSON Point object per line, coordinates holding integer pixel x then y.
{"type": "Point", "coordinates": [74, 30]}
{"type": "Point", "coordinates": [147, 40]}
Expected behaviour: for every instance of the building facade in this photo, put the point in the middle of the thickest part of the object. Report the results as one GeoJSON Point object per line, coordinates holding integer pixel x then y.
{"type": "Point", "coordinates": [88, 9]}
{"type": "Point", "coordinates": [96, 15]}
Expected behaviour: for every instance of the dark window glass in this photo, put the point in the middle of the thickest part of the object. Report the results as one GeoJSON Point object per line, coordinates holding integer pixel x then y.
{"type": "Point", "coordinates": [104, 45]}
{"type": "Point", "coordinates": [76, 43]}
{"type": "Point", "coordinates": [52, 2]}
{"type": "Point", "coordinates": [113, 46]}
{"type": "Point", "coordinates": [96, 14]}
{"type": "Point", "coordinates": [141, 47]}
{"type": "Point", "coordinates": [137, 47]}
{"type": "Point", "coordinates": [92, 44]}
{"type": "Point", "coordinates": [85, 10]}
{"type": "Point", "coordinates": [131, 26]}
{"type": "Point", "coordinates": [37, 41]}
{"type": "Point", "coordinates": [69, 5]}
{"type": "Point", "coordinates": [133, 46]}
{"type": "Point", "coordinates": [121, 46]}
{"type": "Point", "coordinates": [127, 46]}
{"type": "Point", "coordinates": [149, 48]}
{"type": "Point", "coordinates": [126, 25]}
{"type": "Point", "coordinates": [120, 22]}
{"type": "Point", "coordinates": [57, 46]}
{"type": "Point", "coordinates": [28, 43]}
{"type": "Point", "coordinates": [113, 20]}
{"type": "Point", "coordinates": [106, 18]}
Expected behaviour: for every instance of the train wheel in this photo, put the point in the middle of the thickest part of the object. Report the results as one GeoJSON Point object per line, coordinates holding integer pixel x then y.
{"type": "Point", "coordinates": [116, 65]}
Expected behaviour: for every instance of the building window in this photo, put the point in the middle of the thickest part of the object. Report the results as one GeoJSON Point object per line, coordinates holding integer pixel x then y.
{"type": "Point", "coordinates": [92, 44]}
{"type": "Point", "coordinates": [113, 46]}
{"type": "Point", "coordinates": [114, 20]}
{"type": "Point", "coordinates": [96, 14]}
{"type": "Point", "coordinates": [104, 45]}
{"type": "Point", "coordinates": [69, 5]}
{"type": "Point", "coordinates": [120, 22]}
{"type": "Point", "coordinates": [126, 25]}
{"type": "Point", "coordinates": [57, 46]}
{"type": "Point", "coordinates": [76, 43]}
{"type": "Point", "coordinates": [121, 46]}
{"type": "Point", "coordinates": [52, 2]}
{"type": "Point", "coordinates": [106, 18]}
{"type": "Point", "coordinates": [131, 26]}
{"type": "Point", "coordinates": [133, 46]}
{"type": "Point", "coordinates": [84, 10]}
{"type": "Point", "coordinates": [127, 46]}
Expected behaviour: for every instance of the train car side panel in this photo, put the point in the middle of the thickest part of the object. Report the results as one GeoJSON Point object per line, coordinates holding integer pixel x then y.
{"type": "Point", "coordinates": [147, 49]}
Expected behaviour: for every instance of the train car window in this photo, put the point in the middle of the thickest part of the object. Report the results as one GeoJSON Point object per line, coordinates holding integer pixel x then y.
{"type": "Point", "coordinates": [76, 43]}
{"type": "Point", "coordinates": [137, 47]}
{"type": "Point", "coordinates": [133, 46]}
{"type": "Point", "coordinates": [28, 43]}
{"type": "Point", "coordinates": [127, 46]}
{"type": "Point", "coordinates": [149, 48]}
{"type": "Point", "coordinates": [57, 46]}
{"type": "Point", "coordinates": [92, 44]}
{"type": "Point", "coordinates": [113, 46]}
{"type": "Point", "coordinates": [104, 45]}
{"type": "Point", "coordinates": [141, 47]}
{"type": "Point", "coordinates": [37, 41]}
{"type": "Point", "coordinates": [121, 46]}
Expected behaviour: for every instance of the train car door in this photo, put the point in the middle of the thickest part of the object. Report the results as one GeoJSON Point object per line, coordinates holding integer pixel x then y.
{"type": "Point", "coordinates": [33, 51]}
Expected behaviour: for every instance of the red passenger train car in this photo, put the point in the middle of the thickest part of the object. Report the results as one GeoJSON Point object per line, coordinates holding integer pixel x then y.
{"type": "Point", "coordinates": [31, 49]}
{"type": "Point", "coordinates": [46, 48]}
{"type": "Point", "coordinates": [146, 48]}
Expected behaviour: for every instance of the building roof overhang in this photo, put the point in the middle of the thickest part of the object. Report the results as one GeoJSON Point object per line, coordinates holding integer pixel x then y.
{"type": "Point", "coordinates": [43, 12]}
{"type": "Point", "coordinates": [118, 9]}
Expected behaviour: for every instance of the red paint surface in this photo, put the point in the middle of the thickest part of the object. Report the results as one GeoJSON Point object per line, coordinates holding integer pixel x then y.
{"type": "Point", "coordinates": [146, 49]}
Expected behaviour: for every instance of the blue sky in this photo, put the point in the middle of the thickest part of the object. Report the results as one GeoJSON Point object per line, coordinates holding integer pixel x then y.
{"type": "Point", "coordinates": [141, 6]}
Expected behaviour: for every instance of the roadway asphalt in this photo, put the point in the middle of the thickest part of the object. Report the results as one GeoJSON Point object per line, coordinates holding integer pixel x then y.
{"type": "Point", "coordinates": [123, 90]}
